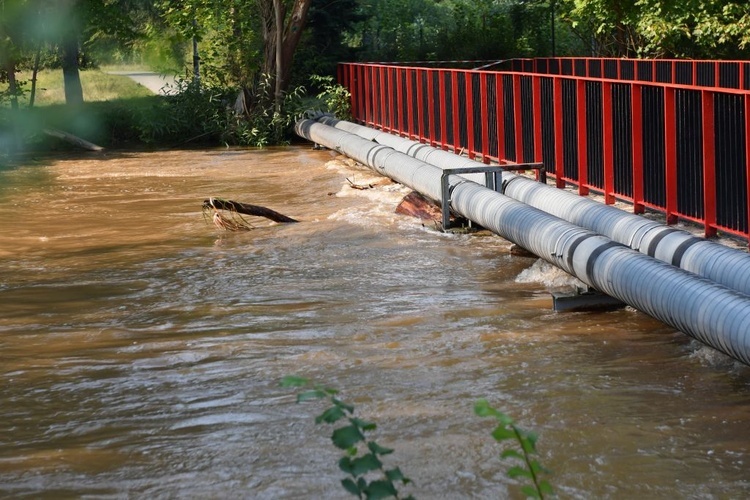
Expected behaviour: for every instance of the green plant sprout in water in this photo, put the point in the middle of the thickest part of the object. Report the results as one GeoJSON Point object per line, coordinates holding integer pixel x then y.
{"type": "Point", "coordinates": [356, 462]}
{"type": "Point", "coordinates": [530, 469]}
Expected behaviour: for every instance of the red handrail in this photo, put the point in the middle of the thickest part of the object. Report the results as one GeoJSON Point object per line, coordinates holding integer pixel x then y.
{"type": "Point", "coordinates": [654, 144]}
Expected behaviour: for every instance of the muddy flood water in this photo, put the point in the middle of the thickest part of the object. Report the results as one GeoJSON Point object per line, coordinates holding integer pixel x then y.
{"type": "Point", "coordinates": [141, 348]}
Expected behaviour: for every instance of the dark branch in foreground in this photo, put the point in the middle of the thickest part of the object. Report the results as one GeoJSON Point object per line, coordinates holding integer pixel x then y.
{"type": "Point", "coordinates": [246, 209]}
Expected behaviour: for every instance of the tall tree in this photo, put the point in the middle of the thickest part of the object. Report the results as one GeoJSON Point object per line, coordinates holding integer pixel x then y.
{"type": "Point", "coordinates": [283, 23]}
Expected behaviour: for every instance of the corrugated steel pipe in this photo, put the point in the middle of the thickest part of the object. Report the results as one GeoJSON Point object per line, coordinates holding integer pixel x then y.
{"type": "Point", "coordinates": [711, 313]}
{"type": "Point", "coordinates": [724, 265]}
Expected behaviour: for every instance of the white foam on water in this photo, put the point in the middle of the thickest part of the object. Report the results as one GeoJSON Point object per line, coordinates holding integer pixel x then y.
{"type": "Point", "coordinates": [548, 275]}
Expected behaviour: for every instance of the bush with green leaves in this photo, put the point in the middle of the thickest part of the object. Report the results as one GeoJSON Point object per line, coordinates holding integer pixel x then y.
{"type": "Point", "coordinates": [529, 467]}
{"type": "Point", "coordinates": [362, 456]}
{"type": "Point", "coordinates": [211, 113]}
{"type": "Point", "coordinates": [332, 97]}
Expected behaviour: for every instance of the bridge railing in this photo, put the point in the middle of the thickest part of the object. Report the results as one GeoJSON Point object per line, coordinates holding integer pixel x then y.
{"type": "Point", "coordinates": [680, 149]}
{"type": "Point", "coordinates": [724, 74]}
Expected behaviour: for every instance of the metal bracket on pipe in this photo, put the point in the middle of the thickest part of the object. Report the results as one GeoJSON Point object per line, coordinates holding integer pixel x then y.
{"type": "Point", "coordinates": [490, 181]}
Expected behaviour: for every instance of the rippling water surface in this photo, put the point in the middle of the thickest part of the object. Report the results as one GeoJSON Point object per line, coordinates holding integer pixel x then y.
{"type": "Point", "coordinates": [141, 348]}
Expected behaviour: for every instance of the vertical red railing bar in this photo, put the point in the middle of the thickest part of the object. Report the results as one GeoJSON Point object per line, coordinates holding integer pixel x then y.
{"type": "Point", "coordinates": [368, 97]}
{"type": "Point", "coordinates": [670, 154]}
{"type": "Point", "coordinates": [393, 79]}
{"type": "Point", "coordinates": [454, 110]}
{"type": "Point", "coordinates": [694, 67]}
{"type": "Point", "coordinates": [443, 111]}
{"type": "Point", "coordinates": [517, 117]}
{"type": "Point", "coordinates": [583, 171]}
{"type": "Point", "coordinates": [653, 71]}
{"type": "Point", "coordinates": [362, 72]}
{"type": "Point", "coordinates": [364, 87]}
{"type": "Point", "coordinates": [409, 105]}
{"type": "Point", "coordinates": [608, 144]}
{"type": "Point", "coordinates": [375, 97]}
{"type": "Point", "coordinates": [637, 133]}
{"type": "Point", "coordinates": [709, 164]}
{"type": "Point", "coordinates": [559, 145]}
{"type": "Point", "coordinates": [353, 90]}
{"type": "Point", "coordinates": [484, 116]}
{"type": "Point", "coordinates": [747, 163]}
{"type": "Point", "coordinates": [431, 105]}
{"type": "Point", "coordinates": [673, 65]}
{"type": "Point", "coordinates": [471, 144]}
{"type": "Point", "coordinates": [500, 104]}
{"type": "Point", "coordinates": [400, 100]}
{"type": "Point", "coordinates": [420, 105]}
{"type": "Point", "coordinates": [382, 104]}
{"type": "Point", "coordinates": [536, 86]}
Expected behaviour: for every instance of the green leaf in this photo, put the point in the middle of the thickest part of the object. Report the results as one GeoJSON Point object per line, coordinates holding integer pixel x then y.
{"type": "Point", "coordinates": [351, 487]}
{"type": "Point", "coordinates": [377, 449]}
{"type": "Point", "coordinates": [546, 488]}
{"type": "Point", "coordinates": [529, 442]}
{"type": "Point", "coordinates": [294, 381]}
{"type": "Point", "coordinates": [310, 395]}
{"type": "Point", "coordinates": [365, 464]}
{"type": "Point", "coordinates": [511, 454]}
{"type": "Point", "coordinates": [530, 492]}
{"type": "Point", "coordinates": [345, 464]}
{"type": "Point", "coordinates": [331, 415]}
{"type": "Point", "coordinates": [396, 475]}
{"type": "Point", "coordinates": [363, 424]}
{"type": "Point", "coordinates": [516, 472]}
{"type": "Point", "coordinates": [502, 433]}
{"type": "Point", "coordinates": [346, 437]}
{"type": "Point", "coordinates": [380, 489]}
{"type": "Point", "coordinates": [483, 409]}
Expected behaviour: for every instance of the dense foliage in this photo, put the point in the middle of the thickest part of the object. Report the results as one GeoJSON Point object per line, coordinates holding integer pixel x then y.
{"type": "Point", "coordinates": [258, 54]}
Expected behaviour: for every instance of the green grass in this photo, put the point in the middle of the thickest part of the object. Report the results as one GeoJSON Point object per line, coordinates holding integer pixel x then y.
{"type": "Point", "coordinates": [114, 114]}
{"type": "Point", "coordinates": [97, 86]}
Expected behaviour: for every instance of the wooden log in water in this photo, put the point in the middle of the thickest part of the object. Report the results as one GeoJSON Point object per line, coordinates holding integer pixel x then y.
{"type": "Point", "coordinates": [246, 209]}
{"type": "Point", "coordinates": [72, 139]}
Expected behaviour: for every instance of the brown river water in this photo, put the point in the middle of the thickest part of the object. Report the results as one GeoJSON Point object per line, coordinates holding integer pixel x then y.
{"type": "Point", "coordinates": [141, 348]}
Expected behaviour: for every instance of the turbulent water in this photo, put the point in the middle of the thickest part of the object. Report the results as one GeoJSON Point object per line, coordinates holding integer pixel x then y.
{"type": "Point", "coordinates": [141, 348]}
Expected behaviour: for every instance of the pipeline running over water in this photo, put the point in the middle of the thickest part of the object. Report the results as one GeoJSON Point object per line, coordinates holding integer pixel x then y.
{"type": "Point", "coordinates": [717, 262]}
{"type": "Point", "coordinates": [709, 312]}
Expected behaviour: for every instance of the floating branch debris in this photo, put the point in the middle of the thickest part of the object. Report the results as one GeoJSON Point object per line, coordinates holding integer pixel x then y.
{"type": "Point", "coordinates": [234, 220]}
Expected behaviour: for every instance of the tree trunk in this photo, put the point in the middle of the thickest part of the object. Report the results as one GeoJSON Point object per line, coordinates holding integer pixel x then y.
{"type": "Point", "coordinates": [292, 35]}
{"type": "Point", "coordinates": [71, 77]}
{"type": "Point", "coordinates": [10, 69]}
{"type": "Point", "coordinates": [34, 74]}
{"type": "Point", "coordinates": [292, 24]}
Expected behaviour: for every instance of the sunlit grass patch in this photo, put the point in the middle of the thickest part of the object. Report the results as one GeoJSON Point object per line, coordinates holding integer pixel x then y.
{"type": "Point", "coordinates": [97, 86]}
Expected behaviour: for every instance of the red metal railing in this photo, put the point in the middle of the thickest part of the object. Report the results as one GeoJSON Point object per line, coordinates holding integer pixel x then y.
{"type": "Point", "coordinates": [680, 149]}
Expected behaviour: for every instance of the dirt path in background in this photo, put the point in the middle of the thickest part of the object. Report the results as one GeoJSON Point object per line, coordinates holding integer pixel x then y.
{"type": "Point", "coordinates": [155, 82]}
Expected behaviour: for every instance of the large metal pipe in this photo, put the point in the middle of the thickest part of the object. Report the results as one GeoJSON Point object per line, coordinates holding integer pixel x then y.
{"type": "Point", "coordinates": [724, 265]}
{"type": "Point", "coordinates": [711, 313]}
